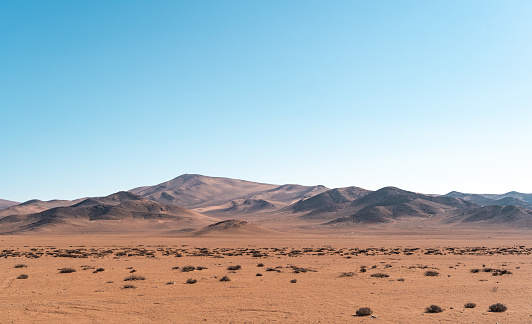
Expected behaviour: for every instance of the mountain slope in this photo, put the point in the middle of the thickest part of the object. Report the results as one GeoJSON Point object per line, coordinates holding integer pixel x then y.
{"type": "Point", "coordinates": [193, 190]}
{"type": "Point", "coordinates": [329, 201]}
{"type": "Point", "coordinates": [122, 212]}
{"type": "Point", "coordinates": [225, 197]}
{"type": "Point", "coordinates": [494, 216]}
{"type": "Point", "coordinates": [508, 199]}
{"type": "Point", "coordinates": [7, 203]}
{"type": "Point", "coordinates": [233, 227]}
{"type": "Point", "coordinates": [36, 206]}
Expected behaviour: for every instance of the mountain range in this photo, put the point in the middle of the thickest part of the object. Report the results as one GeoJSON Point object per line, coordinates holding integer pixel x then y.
{"type": "Point", "coordinates": [191, 202]}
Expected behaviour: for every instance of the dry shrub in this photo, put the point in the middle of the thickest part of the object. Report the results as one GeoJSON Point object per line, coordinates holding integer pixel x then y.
{"type": "Point", "coordinates": [498, 308]}
{"type": "Point", "coordinates": [134, 278]}
{"type": "Point", "coordinates": [431, 273]}
{"type": "Point", "coordinates": [433, 309]}
{"type": "Point", "coordinates": [67, 270]}
{"type": "Point", "coordinates": [364, 311]}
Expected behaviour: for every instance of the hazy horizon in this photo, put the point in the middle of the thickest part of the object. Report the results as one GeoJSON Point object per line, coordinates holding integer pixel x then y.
{"type": "Point", "coordinates": [102, 96]}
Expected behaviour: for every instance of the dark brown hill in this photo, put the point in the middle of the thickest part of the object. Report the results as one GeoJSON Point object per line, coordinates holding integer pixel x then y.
{"type": "Point", "coordinates": [383, 206]}
{"type": "Point", "coordinates": [508, 199]}
{"type": "Point", "coordinates": [234, 227]}
{"type": "Point", "coordinates": [494, 216]}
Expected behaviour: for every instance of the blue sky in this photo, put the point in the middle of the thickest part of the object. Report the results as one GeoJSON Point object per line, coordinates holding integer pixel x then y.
{"type": "Point", "coordinates": [101, 96]}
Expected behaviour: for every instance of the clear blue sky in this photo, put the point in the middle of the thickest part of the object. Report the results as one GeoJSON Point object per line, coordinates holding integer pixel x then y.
{"type": "Point", "coordinates": [101, 96]}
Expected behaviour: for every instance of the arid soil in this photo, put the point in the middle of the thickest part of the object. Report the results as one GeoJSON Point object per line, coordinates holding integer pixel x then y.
{"type": "Point", "coordinates": [303, 279]}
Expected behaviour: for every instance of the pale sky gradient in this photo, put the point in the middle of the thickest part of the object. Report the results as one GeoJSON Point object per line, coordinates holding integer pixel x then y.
{"type": "Point", "coordinates": [102, 96]}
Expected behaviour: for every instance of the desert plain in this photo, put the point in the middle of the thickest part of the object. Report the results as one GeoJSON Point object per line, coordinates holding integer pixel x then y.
{"type": "Point", "coordinates": [283, 278]}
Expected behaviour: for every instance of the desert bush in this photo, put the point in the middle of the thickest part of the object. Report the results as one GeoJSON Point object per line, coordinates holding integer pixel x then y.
{"type": "Point", "coordinates": [18, 266]}
{"type": "Point", "coordinates": [498, 308]}
{"type": "Point", "coordinates": [380, 275]}
{"type": "Point", "coordinates": [364, 311]}
{"type": "Point", "coordinates": [234, 267]}
{"type": "Point", "coordinates": [225, 278]}
{"type": "Point", "coordinates": [431, 273]}
{"type": "Point", "coordinates": [470, 305]}
{"type": "Point", "coordinates": [474, 270]}
{"type": "Point", "coordinates": [260, 265]}
{"type": "Point", "coordinates": [259, 275]}
{"type": "Point", "coordinates": [98, 270]}
{"type": "Point", "coordinates": [191, 281]}
{"type": "Point", "coordinates": [128, 287]}
{"type": "Point", "coordinates": [134, 278]}
{"type": "Point", "coordinates": [132, 271]}
{"type": "Point", "coordinates": [188, 268]}
{"type": "Point", "coordinates": [293, 281]}
{"type": "Point", "coordinates": [347, 274]}
{"type": "Point", "coordinates": [67, 270]}
{"type": "Point", "coordinates": [22, 276]}
{"type": "Point", "coordinates": [363, 270]}
{"type": "Point", "coordinates": [401, 279]}
{"type": "Point", "coordinates": [175, 268]}
{"type": "Point", "coordinates": [433, 309]}
{"type": "Point", "coordinates": [201, 268]}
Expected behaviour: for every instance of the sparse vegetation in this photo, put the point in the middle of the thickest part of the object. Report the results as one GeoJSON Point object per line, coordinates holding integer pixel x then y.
{"type": "Point", "coordinates": [260, 265]}
{"type": "Point", "coordinates": [293, 281]}
{"type": "Point", "coordinates": [98, 270]}
{"type": "Point", "coordinates": [67, 270]}
{"type": "Point", "coordinates": [431, 273]}
{"type": "Point", "coordinates": [234, 267]}
{"type": "Point", "coordinates": [433, 309]}
{"type": "Point", "coordinates": [259, 275]}
{"type": "Point", "coordinates": [364, 311]}
{"type": "Point", "coordinates": [347, 274]}
{"type": "Point", "coordinates": [470, 305]}
{"type": "Point", "coordinates": [22, 276]}
{"type": "Point", "coordinates": [379, 275]}
{"type": "Point", "coordinates": [191, 281]}
{"type": "Point", "coordinates": [134, 278]}
{"type": "Point", "coordinates": [18, 266]}
{"type": "Point", "coordinates": [201, 268]}
{"type": "Point", "coordinates": [498, 308]}
{"type": "Point", "coordinates": [188, 268]}
{"type": "Point", "coordinates": [225, 278]}
{"type": "Point", "coordinates": [128, 287]}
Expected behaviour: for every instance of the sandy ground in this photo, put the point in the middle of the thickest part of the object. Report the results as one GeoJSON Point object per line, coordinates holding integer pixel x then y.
{"type": "Point", "coordinates": [320, 295]}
